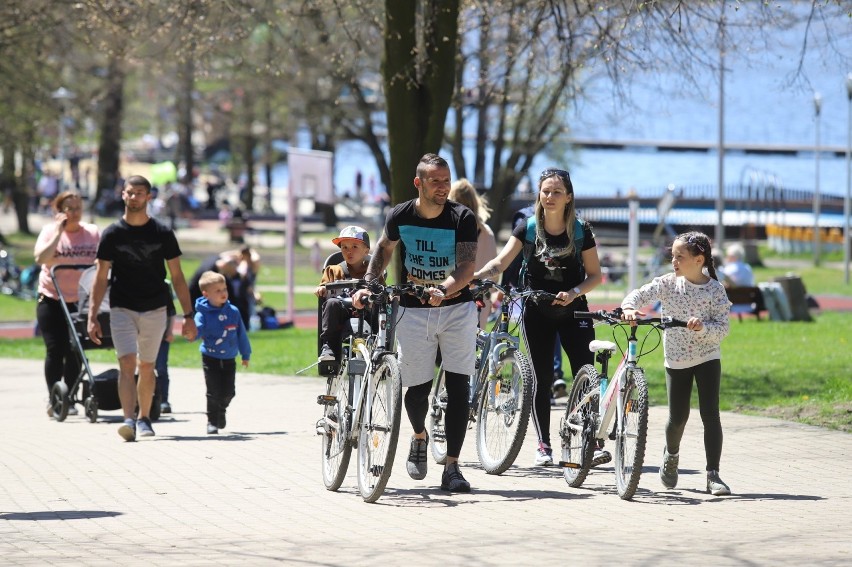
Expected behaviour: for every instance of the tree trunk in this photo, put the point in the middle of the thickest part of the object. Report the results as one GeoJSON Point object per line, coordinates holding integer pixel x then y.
{"type": "Point", "coordinates": [109, 148]}
{"type": "Point", "coordinates": [419, 84]}
{"type": "Point", "coordinates": [185, 151]}
{"type": "Point", "coordinates": [418, 88]}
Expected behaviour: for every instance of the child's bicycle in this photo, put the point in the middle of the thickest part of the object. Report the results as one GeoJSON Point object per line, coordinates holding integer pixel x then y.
{"type": "Point", "coordinates": [590, 407]}
{"type": "Point", "coordinates": [362, 403]}
{"type": "Point", "coordinates": [500, 391]}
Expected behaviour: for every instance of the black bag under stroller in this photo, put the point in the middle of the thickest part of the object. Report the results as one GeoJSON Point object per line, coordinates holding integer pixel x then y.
{"type": "Point", "coordinates": [94, 391]}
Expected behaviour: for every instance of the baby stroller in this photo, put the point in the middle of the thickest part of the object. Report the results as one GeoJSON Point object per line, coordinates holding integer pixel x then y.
{"type": "Point", "coordinates": [99, 391]}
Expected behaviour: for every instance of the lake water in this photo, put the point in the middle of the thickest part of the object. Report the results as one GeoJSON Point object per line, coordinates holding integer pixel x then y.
{"type": "Point", "coordinates": [761, 106]}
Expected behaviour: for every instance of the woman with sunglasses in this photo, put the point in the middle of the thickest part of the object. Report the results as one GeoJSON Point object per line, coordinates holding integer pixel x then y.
{"type": "Point", "coordinates": [67, 240]}
{"type": "Point", "coordinates": [561, 258]}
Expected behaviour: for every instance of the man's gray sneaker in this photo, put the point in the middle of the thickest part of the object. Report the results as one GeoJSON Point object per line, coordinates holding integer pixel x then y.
{"type": "Point", "coordinates": [668, 470]}
{"type": "Point", "coordinates": [143, 426]}
{"type": "Point", "coordinates": [416, 464]}
{"type": "Point", "coordinates": [601, 457]}
{"type": "Point", "coordinates": [715, 485]}
{"type": "Point", "coordinates": [128, 430]}
{"type": "Point", "coordinates": [453, 481]}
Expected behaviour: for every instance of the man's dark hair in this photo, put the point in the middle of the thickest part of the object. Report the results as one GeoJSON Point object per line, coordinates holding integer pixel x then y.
{"type": "Point", "coordinates": [138, 181]}
{"type": "Point", "coordinates": [430, 160]}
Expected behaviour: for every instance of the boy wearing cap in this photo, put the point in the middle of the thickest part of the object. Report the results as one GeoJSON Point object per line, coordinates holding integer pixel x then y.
{"type": "Point", "coordinates": [354, 243]}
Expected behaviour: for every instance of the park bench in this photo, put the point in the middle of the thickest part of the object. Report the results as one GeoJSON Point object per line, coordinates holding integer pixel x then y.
{"type": "Point", "coordinates": [746, 300]}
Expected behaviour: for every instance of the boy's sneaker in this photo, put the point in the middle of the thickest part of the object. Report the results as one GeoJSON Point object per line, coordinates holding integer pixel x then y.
{"type": "Point", "coordinates": [128, 430]}
{"type": "Point", "coordinates": [327, 362]}
{"type": "Point", "coordinates": [715, 485]}
{"type": "Point", "coordinates": [326, 353]}
{"type": "Point", "coordinates": [602, 457]}
{"type": "Point", "coordinates": [165, 407]}
{"type": "Point", "coordinates": [417, 461]}
{"type": "Point", "coordinates": [212, 429]}
{"type": "Point", "coordinates": [668, 470]}
{"type": "Point", "coordinates": [453, 481]}
{"type": "Point", "coordinates": [543, 456]}
{"type": "Point", "coordinates": [143, 426]}
{"type": "Point", "coordinates": [72, 410]}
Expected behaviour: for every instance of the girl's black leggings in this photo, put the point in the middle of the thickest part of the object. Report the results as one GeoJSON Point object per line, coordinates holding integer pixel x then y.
{"type": "Point", "coordinates": [455, 420]}
{"type": "Point", "coordinates": [60, 359]}
{"type": "Point", "coordinates": [708, 376]}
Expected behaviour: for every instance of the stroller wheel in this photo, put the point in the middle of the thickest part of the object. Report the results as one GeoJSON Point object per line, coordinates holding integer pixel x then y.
{"type": "Point", "coordinates": [59, 401]}
{"type": "Point", "coordinates": [91, 406]}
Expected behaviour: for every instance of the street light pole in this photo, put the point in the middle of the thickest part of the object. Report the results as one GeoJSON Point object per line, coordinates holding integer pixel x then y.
{"type": "Point", "coordinates": [847, 210]}
{"type": "Point", "coordinates": [719, 237]}
{"type": "Point", "coordinates": [817, 108]}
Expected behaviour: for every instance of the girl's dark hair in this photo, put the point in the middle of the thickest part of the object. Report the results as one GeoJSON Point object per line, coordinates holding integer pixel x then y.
{"type": "Point", "coordinates": [699, 244]}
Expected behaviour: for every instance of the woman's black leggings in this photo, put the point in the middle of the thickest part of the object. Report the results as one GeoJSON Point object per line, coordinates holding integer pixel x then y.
{"type": "Point", "coordinates": [539, 336]}
{"type": "Point", "coordinates": [708, 376]}
{"type": "Point", "coordinates": [60, 359]}
{"type": "Point", "coordinates": [455, 420]}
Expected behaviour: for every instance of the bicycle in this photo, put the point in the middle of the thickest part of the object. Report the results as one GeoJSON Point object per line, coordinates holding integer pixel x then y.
{"type": "Point", "coordinates": [500, 391]}
{"type": "Point", "coordinates": [590, 410]}
{"type": "Point", "coordinates": [363, 399]}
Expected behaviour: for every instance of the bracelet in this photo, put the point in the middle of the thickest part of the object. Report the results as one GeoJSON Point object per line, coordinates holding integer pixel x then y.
{"type": "Point", "coordinates": [190, 315]}
{"type": "Point", "coordinates": [441, 287]}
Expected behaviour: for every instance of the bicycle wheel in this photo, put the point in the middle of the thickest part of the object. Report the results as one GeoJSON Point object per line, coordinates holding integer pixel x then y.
{"type": "Point", "coordinates": [437, 410]}
{"type": "Point", "coordinates": [504, 412]}
{"type": "Point", "coordinates": [379, 429]}
{"type": "Point", "coordinates": [630, 433]}
{"type": "Point", "coordinates": [577, 427]}
{"type": "Point", "coordinates": [333, 427]}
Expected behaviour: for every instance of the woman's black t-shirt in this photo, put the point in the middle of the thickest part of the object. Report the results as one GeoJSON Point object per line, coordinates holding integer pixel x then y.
{"type": "Point", "coordinates": [552, 273]}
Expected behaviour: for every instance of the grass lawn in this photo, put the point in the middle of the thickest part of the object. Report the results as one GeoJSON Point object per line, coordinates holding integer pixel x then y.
{"type": "Point", "coordinates": [794, 370]}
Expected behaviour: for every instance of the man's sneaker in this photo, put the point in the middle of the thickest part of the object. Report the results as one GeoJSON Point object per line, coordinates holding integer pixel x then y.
{"type": "Point", "coordinates": [143, 426]}
{"type": "Point", "coordinates": [165, 407]}
{"type": "Point", "coordinates": [715, 485]}
{"type": "Point", "coordinates": [212, 429]}
{"type": "Point", "coordinates": [222, 421]}
{"type": "Point", "coordinates": [453, 481]}
{"type": "Point", "coordinates": [128, 430]}
{"type": "Point", "coordinates": [416, 464]}
{"type": "Point", "coordinates": [326, 353]}
{"type": "Point", "coordinates": [602, 457]}
{"type": "Point", "coordinates": [49, 409]}
{"type": "Point", "coordinates": [560, 389]}
{"type": "Point", "coordinates": [668, 470]}
{"type": "Point", "coordinates": [543, 456]}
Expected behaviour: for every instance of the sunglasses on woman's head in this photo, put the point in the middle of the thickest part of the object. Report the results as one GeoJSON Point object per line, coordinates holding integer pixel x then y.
{"type": "Point", "coordinates": [550, 172]}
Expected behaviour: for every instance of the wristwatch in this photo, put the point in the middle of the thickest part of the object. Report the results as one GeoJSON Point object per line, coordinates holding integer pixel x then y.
{"type": "Point", "coordinates": [577, 291]}
{"type": "Point", "coordinates": [190, 315]}
{"type": "Point", "coordinates": [442, 288]}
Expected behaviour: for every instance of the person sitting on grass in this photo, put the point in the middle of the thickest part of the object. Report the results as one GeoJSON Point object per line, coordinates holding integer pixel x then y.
{"type": "Point", "coordinates": [354, 243]}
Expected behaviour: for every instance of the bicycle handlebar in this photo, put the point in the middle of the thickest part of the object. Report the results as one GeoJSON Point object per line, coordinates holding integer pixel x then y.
{"type": "Point", "coordinates": [614, 318]}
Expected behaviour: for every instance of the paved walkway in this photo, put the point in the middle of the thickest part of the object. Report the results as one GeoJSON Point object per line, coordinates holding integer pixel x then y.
{"type": "Point", "coordinates": [75, 493]}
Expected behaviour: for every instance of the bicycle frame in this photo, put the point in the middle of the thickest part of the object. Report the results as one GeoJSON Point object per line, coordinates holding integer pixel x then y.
{"type": "Point", "coordinates": [500, 395]}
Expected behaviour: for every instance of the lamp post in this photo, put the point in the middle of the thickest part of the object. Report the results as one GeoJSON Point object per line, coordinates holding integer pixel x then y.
{"type": "Point", "coordinates": [62, 94]}
{"type": "Point", "coordinates": [846, 201]}
{"type": "Point", "coordinates": [817, 108]}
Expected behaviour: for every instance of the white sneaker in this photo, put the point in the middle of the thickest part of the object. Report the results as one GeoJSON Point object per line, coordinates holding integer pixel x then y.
{"type": "Point", "coordinates": [543, 456]}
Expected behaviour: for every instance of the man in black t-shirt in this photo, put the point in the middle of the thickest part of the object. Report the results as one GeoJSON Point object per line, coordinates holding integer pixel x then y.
{"type": "Point", "coordinates": [438, 249]}
{"type": "Point", "coordinates": [132, 258]}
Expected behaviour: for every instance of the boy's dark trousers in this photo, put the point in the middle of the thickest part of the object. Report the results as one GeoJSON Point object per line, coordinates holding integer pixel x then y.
{"type": "Point", "coordinates": [220, 376]}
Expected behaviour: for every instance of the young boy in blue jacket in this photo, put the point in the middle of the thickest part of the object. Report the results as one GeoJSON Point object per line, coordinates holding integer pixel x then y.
{"type": "Point", "coordinates": [223, 335]}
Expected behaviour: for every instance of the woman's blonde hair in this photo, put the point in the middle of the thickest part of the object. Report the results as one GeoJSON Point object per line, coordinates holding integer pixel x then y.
{"type": "Point", "coordinates": [463, 191]}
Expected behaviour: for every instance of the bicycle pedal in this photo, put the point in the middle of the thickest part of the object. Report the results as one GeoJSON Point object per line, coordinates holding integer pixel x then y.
{"type": "Point", "coordinates": [569, 465]}
{"type": "Point", "coordinates": [325, 400]}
